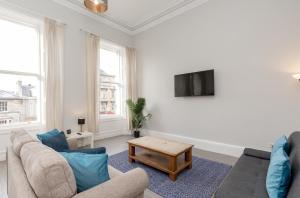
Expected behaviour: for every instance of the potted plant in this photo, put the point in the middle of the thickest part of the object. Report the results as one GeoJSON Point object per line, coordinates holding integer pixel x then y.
{"type": "Point", "coordinates": [137, 116]}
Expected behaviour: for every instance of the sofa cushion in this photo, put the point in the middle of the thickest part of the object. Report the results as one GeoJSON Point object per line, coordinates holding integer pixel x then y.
{"type": "Point", "coordinates": [281, 142]}
{"type": "Point", "coordinates": [54, 139]}
{"type": "Point", "coordinates": [99, 150]}
{"type": "Point", "coordinates": [279, 175]}
{"type": "Point", "coordinates": [294, 142]}
{"type": "Point", "coordinates": [90, 170]}
{"type": "Point", "coordinates": [48, 173]}
{"type": "Point", "coordinates": [247, 179]}
{"type": "Point", "coordinates": [16, 132]}
{"type": "Point", "coordinates": [19, 138]}
{"type": "Point", "coordinates": [48, 134]}
{"type": "Point", "coordinates": [17, 182]}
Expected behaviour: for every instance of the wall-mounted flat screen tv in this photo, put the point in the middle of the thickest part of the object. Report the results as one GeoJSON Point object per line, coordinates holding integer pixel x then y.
{"type": "Point", "coordinates": [195, 84]}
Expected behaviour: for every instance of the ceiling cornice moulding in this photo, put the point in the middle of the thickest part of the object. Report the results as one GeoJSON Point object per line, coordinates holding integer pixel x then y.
{"type": "Point", "coordinates": [142, 26]}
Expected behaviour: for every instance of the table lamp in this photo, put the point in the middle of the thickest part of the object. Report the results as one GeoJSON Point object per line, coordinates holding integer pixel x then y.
{"type": "Point", "coordinates": [81, 121]}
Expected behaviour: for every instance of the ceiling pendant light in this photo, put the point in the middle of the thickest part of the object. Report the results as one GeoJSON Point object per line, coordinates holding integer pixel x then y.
{"type": "Point", "coordinates": [96, 6]}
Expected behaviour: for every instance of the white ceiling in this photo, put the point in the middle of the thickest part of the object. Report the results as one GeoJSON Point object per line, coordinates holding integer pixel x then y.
{"type": "Point", "coordinates": [135, 16]}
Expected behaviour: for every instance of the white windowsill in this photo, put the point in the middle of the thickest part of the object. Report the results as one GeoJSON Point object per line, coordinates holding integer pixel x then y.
{"type": "Point", "coordinates": [28, 127]}
{"type": "Point", "coordinates": [112, 118]}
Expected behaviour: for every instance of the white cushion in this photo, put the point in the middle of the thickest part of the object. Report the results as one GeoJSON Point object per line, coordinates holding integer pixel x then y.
{"type": "Point", "coordinates": [47, 171]}
{"type": "Point", "coordinates": [16, 132]}
{"type": "Point", "coordinates": [19, 138]}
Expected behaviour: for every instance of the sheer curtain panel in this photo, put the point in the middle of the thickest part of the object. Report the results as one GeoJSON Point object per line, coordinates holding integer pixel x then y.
{"type": "Point", "coordinates": [92, 63]}
{"type": "Point", "coordinates": [130, 56]}
{"type": "Point", "coordinates": [54, 60]}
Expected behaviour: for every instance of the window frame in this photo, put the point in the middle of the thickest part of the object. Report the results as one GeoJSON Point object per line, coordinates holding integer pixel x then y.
{"type": "Point", "coordinates": [3, 106]}
{"type": "Point", "coordinates": [37, 24]}
{"type": "Point", "coordinates": [109, 46]}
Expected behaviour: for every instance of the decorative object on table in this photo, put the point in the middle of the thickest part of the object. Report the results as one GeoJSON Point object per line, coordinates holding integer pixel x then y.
{"type": "Point", "coordinates": [137, 116]}
{"type": "Point", "coordinates": [81, 121]}
{"type": "Point", "coordinates": [96, 6]}
{"type": "Point", "coordinates": [201, 181]}
{"type": "Point", "coordinates": [69, 131]}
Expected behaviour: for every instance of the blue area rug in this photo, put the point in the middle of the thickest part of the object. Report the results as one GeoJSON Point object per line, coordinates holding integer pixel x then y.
{"type": "Point", "coordinates": [199, 182]}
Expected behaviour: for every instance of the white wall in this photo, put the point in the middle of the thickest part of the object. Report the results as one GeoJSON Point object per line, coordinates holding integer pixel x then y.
{"type": "Point", "coordinates": [254, 47]}
{"type": "Point", "coordinates": [74, 71]}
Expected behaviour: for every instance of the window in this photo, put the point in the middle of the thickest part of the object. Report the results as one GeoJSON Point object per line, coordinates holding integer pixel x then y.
{"type": "Point", "coordinates": [20, 72]}
{"type": "Point", "coordinates": [112, 92]}
{"type": "Point", "coordinates": [3, 106]}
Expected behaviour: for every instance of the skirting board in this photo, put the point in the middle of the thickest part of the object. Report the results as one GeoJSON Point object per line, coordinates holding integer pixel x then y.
{"type": "Point", "coordinates": [2, 155]}
{"type": "Point", "coordinates": [111, 133]}
{"type": "Point", "coordinates": [216, 147]}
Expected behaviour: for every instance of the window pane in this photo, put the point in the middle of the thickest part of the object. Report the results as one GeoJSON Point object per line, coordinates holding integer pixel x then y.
{"type": "Point", "coordinates": [110, 64]}
{"type": "Point", "coordinates": [111, 81]}
{"type": "Point", "coordinates": [19, 47]}
{"type": "Point", "coordinates": [108, 99]}
{"type": "Point", "coordinates": [19, 96]}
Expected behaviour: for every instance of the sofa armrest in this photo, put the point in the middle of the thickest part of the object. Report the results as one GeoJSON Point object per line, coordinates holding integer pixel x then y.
{"type": "Point", "coordinates": [128, 185]}
{"type": "Point", "coordinates": [257, 153]}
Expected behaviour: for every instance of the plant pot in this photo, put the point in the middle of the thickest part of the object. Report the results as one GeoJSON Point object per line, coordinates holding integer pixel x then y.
{"type": "Point", "coordinates": [136, 134]}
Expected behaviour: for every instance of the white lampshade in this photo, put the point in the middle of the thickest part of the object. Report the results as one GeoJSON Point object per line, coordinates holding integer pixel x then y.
{"type": "Point", "coordinates": [296, 76]}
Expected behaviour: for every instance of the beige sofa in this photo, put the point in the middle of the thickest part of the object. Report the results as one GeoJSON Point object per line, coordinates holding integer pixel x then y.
{"type": "Point", "coordinates": [35, 170]}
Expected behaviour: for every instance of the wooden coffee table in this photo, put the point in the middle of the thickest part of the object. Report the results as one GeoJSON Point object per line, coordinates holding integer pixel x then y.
{"type": "Point", "coordinates": [168, 156]}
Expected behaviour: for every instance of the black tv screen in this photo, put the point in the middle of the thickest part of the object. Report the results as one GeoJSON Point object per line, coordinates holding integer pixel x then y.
{"type": "Point", "coordinates": [195, 84]}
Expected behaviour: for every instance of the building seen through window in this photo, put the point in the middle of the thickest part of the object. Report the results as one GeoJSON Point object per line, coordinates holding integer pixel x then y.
{"type": "Point", "coordinates": [111, 101]}
{"type": "Point", "coordinates": [20, 73]}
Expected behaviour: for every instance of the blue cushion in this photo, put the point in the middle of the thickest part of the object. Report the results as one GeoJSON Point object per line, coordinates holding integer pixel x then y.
{"type": "Point", "coordinates": [281, 142]}
{"type": "Point", "coordinates": [54, 140]}
{"type": "Point", "coordinates": [89, 169]}
{"type": "Point", "coordinates": [100, 150]}
{"type": "Point", "coordinates": [279, 174]}
{"type": "Point", "coordinates": [48, 134]}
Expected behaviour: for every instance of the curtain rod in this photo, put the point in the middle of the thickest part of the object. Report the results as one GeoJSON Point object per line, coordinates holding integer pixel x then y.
{"type": "Point", "coordinates": [88, 31]}
{"type": "Point", "coordinates": [108, 40]}
{"type": "Point", "coordinates": [15, 7]}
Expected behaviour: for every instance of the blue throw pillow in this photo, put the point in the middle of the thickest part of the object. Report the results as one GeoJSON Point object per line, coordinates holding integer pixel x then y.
{"type": "Point", "coordinates": [89, 169]}
{"type": "Point", "coordinates": [279, 174]}
{"type": "Point", "coordinates": [281, 142]}
{"type": "Point", "coordinates": [48, 134]}
{"type": "Point", "coordinates": [54, 140]}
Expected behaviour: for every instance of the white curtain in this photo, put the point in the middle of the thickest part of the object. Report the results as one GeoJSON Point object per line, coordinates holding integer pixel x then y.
{"type": "Point", "coordinates": [92, 63]}
{"type": "Point", "coordinates": [54, 60]}
{"type": "Point", "coordinates": [130, 56]}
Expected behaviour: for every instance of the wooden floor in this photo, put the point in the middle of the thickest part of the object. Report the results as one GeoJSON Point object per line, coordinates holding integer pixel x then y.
{"type": "Point", "coordinates": [115, 145]}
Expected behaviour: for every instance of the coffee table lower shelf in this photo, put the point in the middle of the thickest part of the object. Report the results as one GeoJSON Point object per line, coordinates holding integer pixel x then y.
{"type": "Point", "coordinates": [171, 165]}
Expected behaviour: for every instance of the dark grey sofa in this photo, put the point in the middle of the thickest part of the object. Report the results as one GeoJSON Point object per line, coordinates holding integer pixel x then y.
{"type": "Point", "coordinates": [247, 179]}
